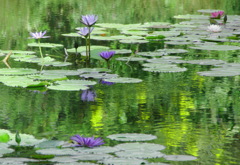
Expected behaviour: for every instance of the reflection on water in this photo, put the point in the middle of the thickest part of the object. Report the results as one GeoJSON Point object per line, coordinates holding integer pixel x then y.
{"type": "Point", "coordinates": [190, 114]}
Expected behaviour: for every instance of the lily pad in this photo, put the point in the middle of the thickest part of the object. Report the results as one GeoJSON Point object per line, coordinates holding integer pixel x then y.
{"type": "Point", "coordinates": [55, 151]}
{"type": "Point", "coordinates": [68, 87]}
{"type": "Point", "coordinates": [95, 156]}
{"type": "Point", "coordinates": [172, 51]}
{"type": "Point", "coordinates": [17, 51]}
{"type": "Point", "coordinates": [61, 72]}
{"type": "Point", "coordinates": [133, 41]}
{"type": "Point", "coordinates": [98, 75]}
{"type": "Point", "coordinates": [177, 43]}
{"type": "Point", "coordinates": [45, 45]}
{"type": "Point", "coordinates": [206, 62]}
{"type": "Point", "coordinates": [76, 82]}
{"type": "Point", "coordinates": [96, 70]}
{"type": "Point", "coordinates": [216, 47]}
{"type": "Point", "coordinates": [123, 80]}
{"type": "Point", "coordinates": [189, 16]}
{"type": "Point", "coordinates": [147, 147]}
{"type": "Point", "coordinates": [17, 71]}
{"type": "Point", "coordinates": [123, 37]}
{"type": "Point", "coordinates": [123, 161]}
{"type": "Point", "coordinates": [139, 154]}
{"type": "Point", "coordinates": [180, 157]}
{"type": "Point", "coordinates": [49, 144]}
{"type": "Point", "coordinates": [131, 58]}
{"type": "Point", "coordinates": [83, 48]}
{"type": "Point", "coordinates": [122, 51]}
{"type": "Point", "coordinates": [166, 70]}
{"type": "Point", "coordinates": [102, 149]}
{"type": "Point", "coordinates": [151, 54]}
{"type": "Point", "coordinates": [132, 137]}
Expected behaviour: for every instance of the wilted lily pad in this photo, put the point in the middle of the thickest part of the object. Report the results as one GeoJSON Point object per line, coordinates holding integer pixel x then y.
{"type": "Point", "coordinates": [132, 137]}
{"type": "Point", "coordinates": [123, 80]}
{"type": "Point", "coordinates": [180, 157]}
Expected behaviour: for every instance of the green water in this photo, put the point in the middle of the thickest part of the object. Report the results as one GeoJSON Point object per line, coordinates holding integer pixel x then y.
{"type": "Point", "coordinates": [190, 114]}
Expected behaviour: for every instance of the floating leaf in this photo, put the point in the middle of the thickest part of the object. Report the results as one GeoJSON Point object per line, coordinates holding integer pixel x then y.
{"type": "Point", "coordinates": [123, 161]}
{"type": "Point", "coordinates": [83, 48]}
{"type": "Point", "coordinates": [123, 37]}
{"type": "Point", "coordinates": [131, 58]}
{"type": "Point", "coordinates": [180, 157]}
{"type": "Point", "coordinates": [47, 76]}
{"type": "Point", "coordinates": [98, 75]}
{"type": "Point", "coordinates": [139, 154]}
{"type": "Point", "coordinates": [68, 87]}
{"type": "Point", "coordinates": [206, 62]}
{"type": "Point", "coordinates": [177, 43]}
{"type": "Point", "coordinates": [76, 82]}
{"type": "Point", "coordinates": [88, 70]}
{"type": "Point", "coordinates": [167, 69]}
{"type": "Point", "coordinates": [102, 149]}
{"type": "Point", "coordinates": [123, 80]}
{"type": "Point", "coordinates": [133, 41]}
{"type": "Point", "coordinates": [55, 151]}
{"type": "Point", "coordinates": [172, 51]}
{"type": "Point", "coordinates": [216, 47]}
{"type": "Point", "coordinates": [96, 156]}
{"type": "Point", "coordinates": [17, 71]}
{"type": "Point", "coordinates": [61, 72]}
{"type": "Point", "coordinates": [49, 144]}
{"type": "Point", "coordinates": [147, 147]}
{"type": "Point", "coordinates": [17, 52]}
{"type": "Point", "coordinates": [45, 45]}
{"type": "Point", "coordinates": [132, 137]}
{"type": "Point", "coordinates": [151, 54]}
{"type": "Point", "coordinates": [122, 51]}
{"type": "Point", "coordinates": [189, 16]}
{"type": "Point", "coordinates": [102, 38]}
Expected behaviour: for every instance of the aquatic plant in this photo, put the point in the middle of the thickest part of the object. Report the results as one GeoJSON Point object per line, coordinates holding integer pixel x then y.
{"type": "Point", "coordinates": [86, 141]}
{"type": "Point", "coordinates": [85, 32]}
{"type": "Point", "coordinates": [38, 36]}
{"type": "Point", "coordinates": [214, 28]}
{"type": "Point", "coordinates": [217, 14]}
{"type": "Point", "coordinates": [106, 55]}
{"type": "Point", "coordinates": [89, 21]}
{"type": "Point", "coordinates": [17, 138]}
{"type": "Point", "coordinates": [88, 95]}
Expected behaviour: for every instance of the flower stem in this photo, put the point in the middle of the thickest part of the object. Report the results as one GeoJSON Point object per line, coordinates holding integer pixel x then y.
{"type": "Point", "coordinates": [86, 47]}
{"type": "Point", "coordinates": [89, 43]}
{"type": "Point", "coordinates": [40, 49]}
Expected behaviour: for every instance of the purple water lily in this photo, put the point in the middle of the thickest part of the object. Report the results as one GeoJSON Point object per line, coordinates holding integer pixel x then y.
{"type": "Point", "coordinates": [85, 31]}
{"type": "Point", "coordinates": [106, 55]}
{"type": "Point", "coordinates": [89, 20]}
{"type": "Point", "coordinates": [86, 141]}
{"type": "Point", "coordinates": [38, 35]}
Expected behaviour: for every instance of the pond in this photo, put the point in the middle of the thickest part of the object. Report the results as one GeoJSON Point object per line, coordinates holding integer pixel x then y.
{"type": "Point", "coordinates": [170, 94]}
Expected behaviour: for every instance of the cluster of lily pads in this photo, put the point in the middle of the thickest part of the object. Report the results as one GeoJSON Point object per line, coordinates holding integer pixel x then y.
{"type": "Point", "coordinates": [132, 150]}
{"type": "Point", "coordinates": [193, 33]}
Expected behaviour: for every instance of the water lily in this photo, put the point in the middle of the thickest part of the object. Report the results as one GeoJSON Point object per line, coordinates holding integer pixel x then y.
{"type": "Point", "coordinates": [214, 28]}
{"type": "Point", "coordinates": [86, 141]}
{"type": "Point", "coordinates": [217, 14]}
{"type": "Point", "coordinates": [106, 55]}
{"type": "Point", "coordinates": [89, 20]}
{"type": "Point", "coordinates": [38, 35]}
{"type": "Point", "coordinates": [85, 31]}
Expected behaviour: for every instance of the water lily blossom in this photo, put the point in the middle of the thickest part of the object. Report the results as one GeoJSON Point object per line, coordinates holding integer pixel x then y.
{"type": "Point", "coordinates": [106, 55]}
{"type": "Point", "coordinates": [86, 141]}
{"type": "Point", "coordinates": [217, 14]}
{"type": "Point", "coordinates": [214, 28]}
{"type": "Point", "coordinates": [85, 31]}
{"type": "Point", "coordinates": [89, 20]}
{"type": "Point", "coordinates": [38, 35]}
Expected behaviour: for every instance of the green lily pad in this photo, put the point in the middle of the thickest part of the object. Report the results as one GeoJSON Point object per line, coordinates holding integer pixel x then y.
{"type": "Point", "coordinates": [216, 47]}
{"type": "Point", "coordinates": [17, 71]}
{"type": "Point", "coordinates": [123, 80]}
{"type": "Point", "coordinates": [55, 151]}
{"type": "Point", "coordinates": [102, 38]}
{"type": "Point", "coordinates": [123, 161]}
{"type": "Point", "coordinates": [172, 51]}
{"type": "Point", "coordinates": [139, 154]}
{"type": "Point", "coordinates": [206, 62]}
{"type": "Point", "coordinates": [180, 157]}
{"type": "Point", "coordinates": [165, 33]}
{"type": "Point", "coordinates": [74, 87]}
{"type": "Point", "coordinates": [4, 137]}
{"type": "Point", "coordinates": [49, 144]}
{"type": "Point", "coordinates": [55, 63]}
{"type": "Point", "coordinates": [110, 25]}
{"type": "Point", "coordinates": [45, 45]}
{"type": "Point", "coordinates": [178, 43]}
{"type": "Point", "coordinates": [22, 56]}
{"type": "Point", "coordinates": [158, 67]}
{"type": "Point", "coordinates": [131, 58]}
{"type": "Point", "coordinates": [123, 37]}
{"type": "Point", "coordinates": [133, 41]}
{"type": "Point", "coordinates": [151, 54]}
{"type": "Point", "coordinates": [218, 74]}
{"type": "Point", "coordinates": [100, 150]}
{"type": "Point", "coordinates": [17, 51]}
{"type": "Point", "coordinates": [76, 82]}
{"type": "Point", "coordinates": [132, 137]}
{"type": "Point", "coordinates": [207, 11]}
{"type": "Point", "coordinates": [135, 32]}
{"type": "Point", "coordinates": [122, 51]}
{"type": "Point", "coordinates": [189, 16]}
{"type": "Point", "coordinates": [88, 70]}
{"type": "Point", "coordinates": [96, 156]}
{"type": "Point", "coordinates": [61, 72]}
{"type": "Point", "coordinates": [47, 76]}
{"type": "Point", "coordinates": [145, 147]}
{"type": "Point", "coordinates": [98, 75]}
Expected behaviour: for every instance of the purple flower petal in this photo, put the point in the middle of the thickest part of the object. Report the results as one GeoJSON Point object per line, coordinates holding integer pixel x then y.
{"type": "Point", "coordinates": [89, 20]}
{"type": "Point", "coordinates": [38, 35]}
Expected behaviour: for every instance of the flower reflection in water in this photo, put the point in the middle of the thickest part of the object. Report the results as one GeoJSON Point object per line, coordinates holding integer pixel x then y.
{"type": "Point", "coordinates": [88, 95]}
{"type": "Point", "coordinates": [106, 82]}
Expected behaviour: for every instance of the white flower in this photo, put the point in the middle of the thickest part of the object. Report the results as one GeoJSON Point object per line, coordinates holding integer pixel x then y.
{"type": "Point", "coordinates": [214, 28]}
